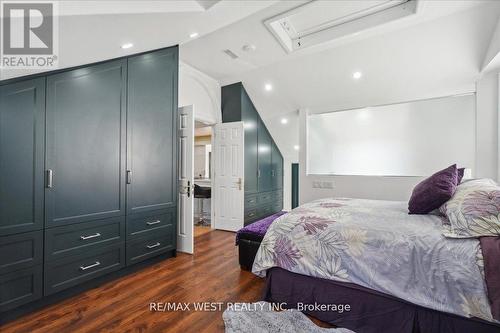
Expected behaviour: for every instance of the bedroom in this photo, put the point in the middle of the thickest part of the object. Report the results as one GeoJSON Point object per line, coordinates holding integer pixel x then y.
{"type": "Point", "coordinates": [353, 158]}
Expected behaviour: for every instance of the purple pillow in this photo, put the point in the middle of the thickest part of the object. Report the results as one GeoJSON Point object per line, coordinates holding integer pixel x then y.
{"type": "Point", "coordinates": [434, 191]}
{"type": "Point", "coordinates": [460, 175]}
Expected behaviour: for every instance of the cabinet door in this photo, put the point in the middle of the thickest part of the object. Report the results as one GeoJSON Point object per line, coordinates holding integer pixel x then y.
{"type": "Point", "coordinates": [151, 131]}
{"type": "Point", "coordinates": [86, 144]}
{"type": "Point", "coordinates": [277, 172]}
{"type": "Point", "coordinates": [265, 178]}
{"type": "Point", "coordinates": [22, 117]}
{"type": "Point", "coordinates": [250, 119]}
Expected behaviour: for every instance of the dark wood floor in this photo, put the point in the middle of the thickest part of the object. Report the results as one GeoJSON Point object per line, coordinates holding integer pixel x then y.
{"type": "Point", "coordinates": [122, 305]}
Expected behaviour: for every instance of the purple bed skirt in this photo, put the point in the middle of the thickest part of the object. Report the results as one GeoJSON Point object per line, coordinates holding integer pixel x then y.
{"type": "Point", "coordinates": [370, 311]}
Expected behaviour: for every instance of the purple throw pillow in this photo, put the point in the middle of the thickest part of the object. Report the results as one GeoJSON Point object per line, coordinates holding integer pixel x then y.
{"type": "Point", "coordinates": [460, 175]}
{"type": "Point", "coordinates": [434, 191]}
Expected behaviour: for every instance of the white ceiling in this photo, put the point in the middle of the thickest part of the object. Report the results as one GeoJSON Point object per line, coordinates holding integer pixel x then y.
{"type": "Point", "coordinates": [437, 52]}
{"type": "Point", "coordinates": [96, 7]}
{"type": "Point", "coordinates": [91, 31]}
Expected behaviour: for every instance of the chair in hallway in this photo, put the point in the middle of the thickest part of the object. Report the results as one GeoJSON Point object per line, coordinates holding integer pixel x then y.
{"type": "Point", "coordinates": [202, 193]}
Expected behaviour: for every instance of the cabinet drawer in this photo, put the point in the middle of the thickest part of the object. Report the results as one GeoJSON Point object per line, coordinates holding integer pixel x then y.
{"type": "Point", "coordinates": [143, 226]}
{"type": "Point", "coordinates": [265, 211]}
{"type": "Point", "coordinates": [70, 271]}
{"type": "Point", "coordinates": [278, 194]}
{"type": "Point", "coordinates": [250, 200]}
{"type": "Point", "coordinates": [79, 238]}
{"type": "Point", "coordinates": [251, 214]}
{"type": "Point", "coordinates": [149, 247]}
{"type": "Point", "coordinates": [20, 287]}
{"type": "Point", "coordinates": [20, 251]}
{"type": "Point", "coordinates": [277, 206]}
{"type": "Point", "coordinates": [265, 197]}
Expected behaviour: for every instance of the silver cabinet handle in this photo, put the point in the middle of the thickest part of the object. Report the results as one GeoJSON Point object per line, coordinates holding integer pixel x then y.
{"type": "Point", "coordinates": [153, 222]}
{"type": "Point", "coordinates": [251, 214]}
{"type": "Point", "coordinates": [258, 173]}
{"type": "Point", "coordinates": [90, 236]}
{"type": "Point", "coordinates": [153, 246]}
{"type": "Point", "coordinates": [84, 268]}
{"type": "Point", "coordinates": [129, 177]}
{"type": "Point", "coordinates": [50, 178]}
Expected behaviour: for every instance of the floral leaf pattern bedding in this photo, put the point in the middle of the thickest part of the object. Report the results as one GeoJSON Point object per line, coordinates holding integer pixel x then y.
{"type": "Point", "coordinates": [378, 245]}
{"type": "Point", "coordinates": [474, 210]}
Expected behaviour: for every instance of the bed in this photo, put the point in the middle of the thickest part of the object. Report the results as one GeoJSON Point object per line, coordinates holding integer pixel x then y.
{"type": "Point", "coordinates": [397, 271]}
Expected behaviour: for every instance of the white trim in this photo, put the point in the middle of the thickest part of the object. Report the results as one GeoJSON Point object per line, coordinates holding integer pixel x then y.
{"type": "Point", "coordinates": [498, 127]}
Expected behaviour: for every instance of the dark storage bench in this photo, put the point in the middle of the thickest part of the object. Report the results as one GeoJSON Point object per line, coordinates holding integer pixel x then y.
{"type": "Point", "coordinates": [248, 239]}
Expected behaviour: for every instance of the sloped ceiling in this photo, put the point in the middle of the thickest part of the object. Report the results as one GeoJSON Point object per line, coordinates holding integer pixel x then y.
{"type": "Point", "coordinates": [207, 4]}
{"type": "Point", "coordinates": [492, 58]}
{"type": "Point", "coordinates": [437, 53]}
{"type": "Point", "coordinates": [94, 30]}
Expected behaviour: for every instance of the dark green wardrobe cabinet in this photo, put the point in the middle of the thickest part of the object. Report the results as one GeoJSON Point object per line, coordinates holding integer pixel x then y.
{"type": "Point", "coordinates": [85, 153]}
{"type": "Point", "coordinates": [277, 167]}
{"type": "Point", "coordinates": [22, 118]}
{"type": "Point", "coordinates": [263, 160]}
{"type": "Point", "coordinates": [265, 166]}
{"type": "Point", "coordinates": [250, 118]}
{"type": "Point", "coordinates": [152, 109]}
{"type": "Point", "coordinates": [88, 175]}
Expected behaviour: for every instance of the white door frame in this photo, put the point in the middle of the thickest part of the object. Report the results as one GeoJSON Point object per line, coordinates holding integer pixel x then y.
{"type": "Point", "coordinates": [185, 192]}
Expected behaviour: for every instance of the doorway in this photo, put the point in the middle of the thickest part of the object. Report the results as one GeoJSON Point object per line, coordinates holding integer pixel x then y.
{"type": "Point", "coordinates": [202, 177]}
{"type": "Point", "coordinates": [295, 185]}
{"type": "Point", "coordinates": [211, 178]}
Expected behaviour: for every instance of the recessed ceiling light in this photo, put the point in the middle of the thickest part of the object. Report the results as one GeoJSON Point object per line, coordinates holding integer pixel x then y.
{"type": "Point", "coordinates": [249, 48]}
{"type": "Point", "coordinates": [296, 147]}
{"type": "Point", "coordinates": [268, 87]}
{"type": "Point", "coordinates": [284, 121]}
{"type": "Point", "coordinates": [194, 35]}
{"type": "Point", "coordinates": [127, 45]}
{"type": "Point", "coordinates": [357, 75]}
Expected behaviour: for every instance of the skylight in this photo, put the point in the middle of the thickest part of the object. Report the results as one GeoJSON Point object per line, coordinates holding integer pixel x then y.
{"type": "Point", "coordinates": [317, 22]}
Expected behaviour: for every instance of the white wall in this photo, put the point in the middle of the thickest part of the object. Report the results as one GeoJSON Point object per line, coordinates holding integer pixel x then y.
{"type": "Point", "coordinates": [399, 188]}
{"type": "Point", "coordinates": [493, 53]}
{"type": "Point", "coordinates": [386, 188]}
{"type": "Point", "coordinates": [199, 161]}
{"type": "Point", "coordinates": [203, 92]}
{"type": "Point", "coordinates": [404, 139]}
{"type": "Point", "coordinates": [487, 126]}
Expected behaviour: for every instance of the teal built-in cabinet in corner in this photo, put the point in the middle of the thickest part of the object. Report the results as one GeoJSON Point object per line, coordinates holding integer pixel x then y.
{"type": "Point", "coordinates": [263, 160]}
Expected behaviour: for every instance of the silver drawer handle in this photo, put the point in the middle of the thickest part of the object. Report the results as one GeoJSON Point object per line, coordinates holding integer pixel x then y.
{"type": "Point", "coordinates": [253, 200]}
{"type": "Point", "coordinates": [84, 268]}
{"type": "Point", "coordinates": [153, 246]}
{"type": "Point", "coordinates": [153, 222]}
{"type": "Point", "coordinates": [251, 214]}
{"type": "Point", "coordinates": [90, 236]}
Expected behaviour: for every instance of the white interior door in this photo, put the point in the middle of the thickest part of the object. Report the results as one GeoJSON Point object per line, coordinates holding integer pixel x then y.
{"type": "Point", "coordinates": [229, 174]}
{"type": "Point", "coordinates": [185, 237]}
